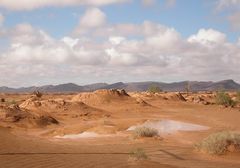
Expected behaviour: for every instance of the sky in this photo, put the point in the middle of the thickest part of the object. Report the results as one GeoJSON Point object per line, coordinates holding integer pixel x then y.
{"type": "Point", "coordinates": [88, 41]}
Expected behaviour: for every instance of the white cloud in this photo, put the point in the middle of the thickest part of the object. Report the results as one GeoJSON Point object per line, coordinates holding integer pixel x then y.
{"type": "Point", "coordinates": [121, 58]}
{"type": "Point", "coordinates": [129, 52]}
{"type": "Point", "coordinates": [70, 41]}
{"type": "Point", "coordinates": [34, 4]}
{"type": "Point", "coordinates": [25, 33]}
{"type": "Point", "coordinates": [208, 36]}
{"type": "Point", "coordinates": [115, 40]}
{"type": "Point", "coordinates": [164, 39]}
{"type": "Point", "coordinates": [93, 18]}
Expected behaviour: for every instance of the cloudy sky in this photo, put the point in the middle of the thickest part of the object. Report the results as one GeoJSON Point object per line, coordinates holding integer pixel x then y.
{"type": "Point", "coordinates": [86, 41]}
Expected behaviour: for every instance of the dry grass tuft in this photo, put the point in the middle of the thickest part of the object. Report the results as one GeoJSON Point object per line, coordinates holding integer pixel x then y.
{"type": "Point", "coordinates": [138, 154]}
{"type": "Point", "coordinates": [223, 98]}
{"type": "Point", "coordinates": [145, 132]}
{"type": "Point", "coordinates": [220, 143]}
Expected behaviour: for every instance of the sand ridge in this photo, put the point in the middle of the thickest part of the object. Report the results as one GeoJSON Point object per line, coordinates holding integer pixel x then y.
{"type": "Point", "coordinates": [111, 112]}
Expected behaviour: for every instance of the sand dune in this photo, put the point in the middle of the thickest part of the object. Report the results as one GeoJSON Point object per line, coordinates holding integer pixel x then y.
{"type": "Point", "coordinates": [103, 119]}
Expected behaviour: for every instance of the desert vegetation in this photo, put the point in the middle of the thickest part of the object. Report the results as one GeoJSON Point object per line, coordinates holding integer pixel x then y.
{"type": "Point", "coordinates": [145, 132]}
{"type": "Point", "coordinates": [138, 154]}
{"type": "Point", "coordinates": [154, 89]}
{"type": "Point", "coordinates": [125, 122]}
{"type": "Point", "coordinates": [223, 98]}
{"type": "Point", "coordinates": [220, 143]}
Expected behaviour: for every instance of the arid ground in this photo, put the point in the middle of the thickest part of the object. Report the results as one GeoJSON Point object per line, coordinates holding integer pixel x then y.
{"type": "Point", "coordinates": [91, 130]}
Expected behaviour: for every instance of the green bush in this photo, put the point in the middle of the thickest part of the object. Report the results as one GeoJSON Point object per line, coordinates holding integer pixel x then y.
{"type": "Point", "coordinates": [145, 132]}
{"type": "Point", "coordinates": [154, 89]}
{"type": "Point", "coordinates": [220, 143]}
{"type": "Point", "coordinates": [223, 98]}
{"type": "Point", "coordinates": [138, 154]}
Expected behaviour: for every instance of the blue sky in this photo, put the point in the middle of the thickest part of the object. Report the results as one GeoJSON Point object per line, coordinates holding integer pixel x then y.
{"type": "Point", "coordinates": [185, 16]}
{"type": "Point", "coordinates": [37, 33]}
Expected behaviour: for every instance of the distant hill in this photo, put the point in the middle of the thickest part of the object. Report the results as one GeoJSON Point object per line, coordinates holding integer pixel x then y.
{"type": "Point", "coordinates": [134, 86]}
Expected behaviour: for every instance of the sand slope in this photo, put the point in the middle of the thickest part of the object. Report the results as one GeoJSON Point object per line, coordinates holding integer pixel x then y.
{"type": "Point", "coordinates": [29, 138]}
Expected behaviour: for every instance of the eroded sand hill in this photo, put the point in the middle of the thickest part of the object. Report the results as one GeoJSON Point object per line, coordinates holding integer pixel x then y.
{"type": "Point", "coordinates": [93, 129]}
{"type": "Point", "coordinates": [15, 116]}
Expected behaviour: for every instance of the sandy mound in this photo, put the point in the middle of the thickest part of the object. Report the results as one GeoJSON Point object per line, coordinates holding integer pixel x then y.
{"type": "Point", "coordinates": [61, 107]}
{"type": "Point", "coordinates": [204, 98]}
{"type": "Point", "coordinates": [162, 96]}
{"type": "Point", "coordinates": [148, 96]}
{"type": "Point", "coordinates": [35, 102]}
{"type": "Point", "coordinates": [142, 102]}
{"type": "Point", "coordinates": [198, 100]}
{"type": "Point", "coordinates": [14, 114]}
{"type": "Point", "coordinates": [174, 97]}
{"type": "Point", "coordinates": [101, 96]}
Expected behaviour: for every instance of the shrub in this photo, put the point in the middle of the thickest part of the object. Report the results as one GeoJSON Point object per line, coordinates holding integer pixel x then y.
{"type": "Point", "coordinates": [138, 154]}
{"type": "Point", "coordinates": [223, 98]}
{"type": "Point", "coordinates": [154, 89]}
{"type": "Point", "coordinates": [220, 143]}
{"type": "Point", "coordinates": [2, 100]}
{"type": "Point", "coordinates": [145, 132]}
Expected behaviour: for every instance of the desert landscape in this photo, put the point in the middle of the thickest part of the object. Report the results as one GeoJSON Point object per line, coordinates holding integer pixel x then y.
{"type": "Point", "coordinates": [119, 83]}
{"type": "Point", "coordinates": [115, 128]}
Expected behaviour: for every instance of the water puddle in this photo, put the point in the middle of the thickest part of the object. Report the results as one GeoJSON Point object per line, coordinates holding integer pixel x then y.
{"type": "Point", "coordinates": [82, 135]}
{"type": "Point", "coordinates": [170, 126]}
{"type": "Point", "coordinates": [163, 127]}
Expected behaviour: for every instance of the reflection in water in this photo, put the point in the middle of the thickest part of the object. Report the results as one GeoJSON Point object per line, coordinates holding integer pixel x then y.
{"type": "Point", "coordinates": [170, 126]}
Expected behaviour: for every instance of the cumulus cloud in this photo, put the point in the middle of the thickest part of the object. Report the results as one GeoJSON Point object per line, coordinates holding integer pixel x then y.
{"type": "Point", "coordinates": [208, 36]}
{"type": "Point", "coordinates": [36, 46]}
{"type": "Point", "coordinates": [93, 18]}
{"type": "Point", "coordinates": [30, 4]}
{"type": "Point", "coordinates": [145, 51]}
{"type": "Point", "coordinates": [116, 40]}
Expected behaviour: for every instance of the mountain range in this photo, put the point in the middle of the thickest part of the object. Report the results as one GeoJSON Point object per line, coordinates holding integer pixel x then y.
{"type": "Point", "coordinates": [133, 86]}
